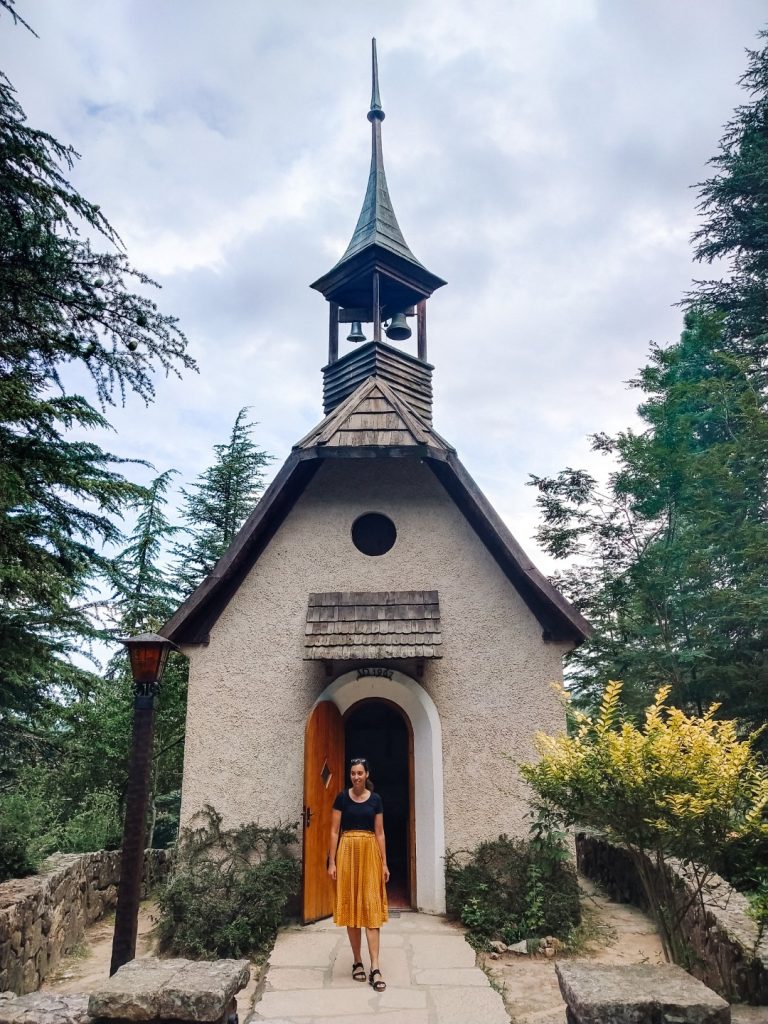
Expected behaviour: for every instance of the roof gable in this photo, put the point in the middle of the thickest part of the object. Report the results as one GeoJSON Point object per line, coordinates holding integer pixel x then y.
{"type": "Point", "coordinates": [373, 416]}
{"type": "Point", "coordinates": [373, 422]}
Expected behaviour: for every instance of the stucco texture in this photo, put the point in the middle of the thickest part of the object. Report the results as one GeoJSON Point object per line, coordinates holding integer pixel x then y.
{"type": "Point", "coordinates": [251, 690]}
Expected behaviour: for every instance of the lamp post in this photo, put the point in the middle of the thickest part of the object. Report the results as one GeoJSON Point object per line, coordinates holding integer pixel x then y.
{"type": "Point", "coordinates": [148, 653]}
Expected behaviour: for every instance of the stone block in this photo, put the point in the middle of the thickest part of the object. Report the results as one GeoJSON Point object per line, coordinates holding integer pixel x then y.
{"type": "Point", "coordinates": [316, 1004]}
{"type": "Point", "coordinates": [29, 978]}
{"type": "Point", "coordinates": [442, 951]}
{"type": "Point", "coordinates": [281, 979]}
{"type": "Point", "coordinates": [43, 1008]}
{"type": "Point", "coordinates": [452, 976]}
{"type": "Point", "coordinates": [36, 938]}
{"type": "Point", "coordinates": [310, 949]}
{"type": "Point", "coordinates": [469, 1006]}
{"type": "Point", "coordinates": [637, 994]}
{"type": "Point", "coordinates": [183, 990]}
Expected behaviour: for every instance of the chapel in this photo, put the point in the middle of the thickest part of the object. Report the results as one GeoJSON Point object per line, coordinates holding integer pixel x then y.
{"type": "Point", "coordinates": [374, 604]}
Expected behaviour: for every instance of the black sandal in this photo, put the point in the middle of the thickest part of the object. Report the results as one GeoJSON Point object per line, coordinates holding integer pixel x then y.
{"type": "Point", "coordinates": [377, 986]}
{"type": "Point", "coordinates": [358, 971]}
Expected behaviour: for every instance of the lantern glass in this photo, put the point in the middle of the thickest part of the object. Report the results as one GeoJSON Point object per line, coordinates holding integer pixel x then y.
{"type": "Point", "coordinates": [148, 654]}
{"type": "Point", "coordinates": [147, 663]}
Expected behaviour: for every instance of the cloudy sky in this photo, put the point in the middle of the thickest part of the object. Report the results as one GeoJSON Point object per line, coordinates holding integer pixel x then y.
{"type": "Point", "coordinates": [539, 157]}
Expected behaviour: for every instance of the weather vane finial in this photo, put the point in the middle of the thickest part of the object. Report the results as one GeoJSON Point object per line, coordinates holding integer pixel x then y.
{"type": "Point", "coordinates": [375, 113]}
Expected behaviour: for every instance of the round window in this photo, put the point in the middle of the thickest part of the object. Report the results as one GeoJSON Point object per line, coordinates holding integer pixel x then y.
{"type": "Point", "coordinates": [373, 533]}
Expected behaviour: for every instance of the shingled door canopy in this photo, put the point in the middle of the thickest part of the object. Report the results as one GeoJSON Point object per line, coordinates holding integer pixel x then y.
{"type": "Point", "coordinates": [377, 625]}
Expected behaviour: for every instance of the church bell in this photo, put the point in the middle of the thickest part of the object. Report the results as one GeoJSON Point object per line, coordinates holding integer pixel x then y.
{"type": "Point", "coordinates": [356, 332]}
{"type": "Point", "coordinates": [398, 329]}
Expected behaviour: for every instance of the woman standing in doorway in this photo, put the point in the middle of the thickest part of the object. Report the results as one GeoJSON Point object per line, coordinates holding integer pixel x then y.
{"type": "Point", "coordinates": [358, 864]}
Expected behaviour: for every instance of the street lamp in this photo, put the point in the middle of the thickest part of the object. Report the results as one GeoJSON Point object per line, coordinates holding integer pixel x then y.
{"type": "Point", "coordinates": [148, 654]}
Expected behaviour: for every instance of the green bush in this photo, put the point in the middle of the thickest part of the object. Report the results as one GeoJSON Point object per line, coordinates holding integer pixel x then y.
{"type": "Point", "coordinates": [17, 857]}
{"type": "Point", "coordinates": [95, 825]}
{"type": "Point", "coordinates": [743, 862]}
{"type": "Point", "coordinates": [166, 830]}
{"type": "Point", "coordinates": [514, 889]}
{"type": "Point", "coordinates": [229, 889]}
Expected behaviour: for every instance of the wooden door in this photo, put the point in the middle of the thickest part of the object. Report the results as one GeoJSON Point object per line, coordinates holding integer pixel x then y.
{"type": "Point", "coordinates": [323, 778]}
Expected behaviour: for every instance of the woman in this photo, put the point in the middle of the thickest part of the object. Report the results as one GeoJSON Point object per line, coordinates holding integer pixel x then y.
{"type": "Point", "coordinates": [360, 869]}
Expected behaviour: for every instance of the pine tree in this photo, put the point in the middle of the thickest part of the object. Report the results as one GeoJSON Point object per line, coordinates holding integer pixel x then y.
{"type": "Point", "coordinates": [219, 502]}
{"type": "Point", "coordinates": [672, 553]}
{"type": "Point", "coordinates": [63, 304]}
{"type": "Point", "coordinates": [144, 594]}
{"type": "Point", "coordinates": [734, 208]}
{"type": "Point", "coordinates": [76, 780]}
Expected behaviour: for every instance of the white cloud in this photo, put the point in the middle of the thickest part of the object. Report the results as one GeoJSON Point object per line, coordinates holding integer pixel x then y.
{"type": "Point", "coordinates": [539, 157]}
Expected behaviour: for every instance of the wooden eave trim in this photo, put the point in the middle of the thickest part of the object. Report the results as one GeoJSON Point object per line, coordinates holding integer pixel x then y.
{"type": "Point", "coordinates": [193, 620]}
{"type": "Point", "coordinates": [558, 618]}
{"type": "Point", "coordinates": [378, 257]}
{"type": "Point", "coordinates": [379, 451]}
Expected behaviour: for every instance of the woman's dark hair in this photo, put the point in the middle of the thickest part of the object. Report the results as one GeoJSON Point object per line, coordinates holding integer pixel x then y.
{"type": "Point", "coordinates": [364, 762]}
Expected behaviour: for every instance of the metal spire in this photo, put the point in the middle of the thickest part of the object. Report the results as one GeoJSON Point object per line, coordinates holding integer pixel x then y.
{"type": "Point", "coordinates": [377, 223]}
{"type": "Point", "coordinates": [375, 111]}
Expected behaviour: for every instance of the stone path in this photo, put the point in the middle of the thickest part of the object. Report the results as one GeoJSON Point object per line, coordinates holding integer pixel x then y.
{"type": "Point", "coordinates": [428, 966]}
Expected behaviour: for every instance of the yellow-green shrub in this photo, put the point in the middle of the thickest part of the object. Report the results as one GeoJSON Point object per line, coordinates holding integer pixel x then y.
{"type": "Point", "coordinates": [675, 787]}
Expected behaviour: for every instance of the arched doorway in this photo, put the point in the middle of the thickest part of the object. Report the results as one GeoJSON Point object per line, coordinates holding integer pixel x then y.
{"type": "Point", "coordinates": [377, 730]}
{"type": "Point", "coordinates": [427, 866]}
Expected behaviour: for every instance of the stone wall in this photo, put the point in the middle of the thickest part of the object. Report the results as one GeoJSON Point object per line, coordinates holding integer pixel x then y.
{"type": "Point", "coordinates": [724, 939]}
{"type": "Point", "coordinates": [44, 916]}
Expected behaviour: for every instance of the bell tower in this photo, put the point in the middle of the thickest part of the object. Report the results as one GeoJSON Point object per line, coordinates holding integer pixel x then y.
{"type": "Point", "coordinates": [378, 281]}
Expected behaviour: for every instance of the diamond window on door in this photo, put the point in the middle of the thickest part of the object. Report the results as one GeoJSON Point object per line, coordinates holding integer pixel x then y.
{"type": "Point", "coordinates": [326, 774]}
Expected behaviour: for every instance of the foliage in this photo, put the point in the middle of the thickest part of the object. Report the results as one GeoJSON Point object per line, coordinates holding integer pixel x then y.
{"type": "Point", "coordinates": [68, 318]}
{"type": "Point", "coordinates": [677, 787]}
{"type": "Point", "coordinates": [144, 595]}
{"type": "Point", "coordinates": [744, 862]}
{"type": "Point", "coordinates": [9, 7]}
{"type": "Point", "coordinates": [77, 781]}
{"type": "Point", "coordinates": [78, 777]}
{"type": "Point", "coordinates": [758, 907]}
{"type": "Point", "coordinates": [229, 889]}
{"type": "Point", "coordinates": [217, 505]}
{"type": "Point", "coordinates": [16, 830]}
{"type": "Point", "coordinates": [94, 825]}
{"type": "Point", "coordinates": [670, 557]}
{"type": "Point", "coordinates": [166, 825]}
{"type": "Point", "coordinates": [513, 889]}
{"type": "Point", "coordinates": [734, 207]}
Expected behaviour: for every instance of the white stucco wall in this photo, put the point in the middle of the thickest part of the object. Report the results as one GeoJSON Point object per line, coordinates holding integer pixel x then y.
{"type": "Point", "coordinates": [251, 691]}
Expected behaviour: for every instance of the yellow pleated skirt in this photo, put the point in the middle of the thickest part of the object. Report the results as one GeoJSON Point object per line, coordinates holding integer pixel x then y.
{"type": "Point", "coordinates": [361, 895]}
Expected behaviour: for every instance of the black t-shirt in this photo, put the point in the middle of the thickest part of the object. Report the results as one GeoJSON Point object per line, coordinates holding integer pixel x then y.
{"type": "Point", "coordinates": [360, 816]}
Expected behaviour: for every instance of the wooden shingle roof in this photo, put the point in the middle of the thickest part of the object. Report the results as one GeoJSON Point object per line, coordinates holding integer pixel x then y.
{"type": "Point", "coordinates": [382, 624]}
{"type": "Point", "coordinates": [373, 422]}
{"type": "Point", "coordinates": [374, 415]}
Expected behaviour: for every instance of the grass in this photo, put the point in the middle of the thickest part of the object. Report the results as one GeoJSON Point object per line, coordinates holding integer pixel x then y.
{"type": "Point", "coordinates": [78, 952]}
{"type": "Point", "coordinates": [592, 933]}
{"type": "Point", "coordinates": [496, 984]}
